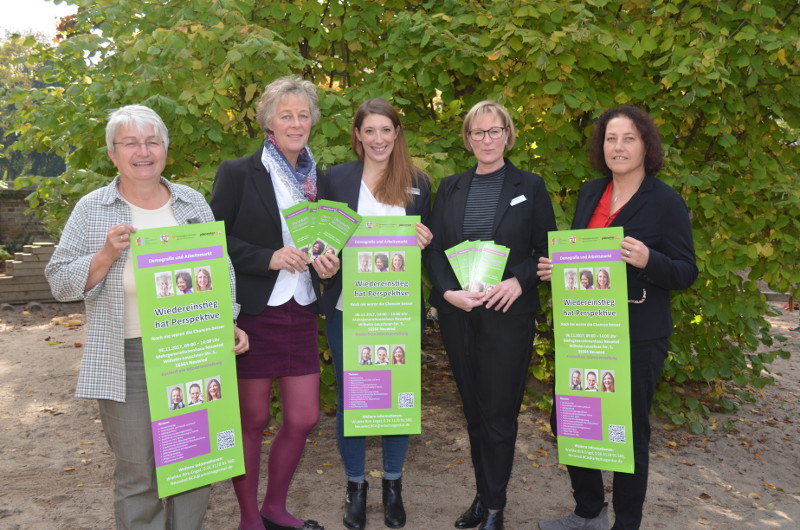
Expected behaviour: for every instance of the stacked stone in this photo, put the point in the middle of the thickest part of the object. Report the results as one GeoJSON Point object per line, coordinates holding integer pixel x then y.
{"type": "Point", "coordinates": [24, 279]}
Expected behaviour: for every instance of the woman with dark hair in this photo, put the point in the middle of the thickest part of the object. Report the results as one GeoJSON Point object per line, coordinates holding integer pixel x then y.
{"type": "Point", "coordinates": [659, 256]}
{"type": "Point", "coordinates": [183, 281]}
{"type": "Point", "coordinates": [587, 280]}
{"type": "Point", "coordinates": [279, 285]}
{"type": "Point", "coordinates": [383, 181]}
{"type": "Point", "coordinates": [488, 334]}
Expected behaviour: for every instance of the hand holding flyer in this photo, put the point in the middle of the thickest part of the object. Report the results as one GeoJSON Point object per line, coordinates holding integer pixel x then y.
{"type": "Point", "coordinates": [478, 265]}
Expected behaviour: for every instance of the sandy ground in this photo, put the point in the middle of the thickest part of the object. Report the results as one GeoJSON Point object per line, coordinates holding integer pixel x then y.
{"type": "Point", "coordinates": [57, 469]}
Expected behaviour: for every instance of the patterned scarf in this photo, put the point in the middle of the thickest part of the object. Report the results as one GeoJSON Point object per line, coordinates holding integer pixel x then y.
{"type": "Point", "coordinates": [301, 182]}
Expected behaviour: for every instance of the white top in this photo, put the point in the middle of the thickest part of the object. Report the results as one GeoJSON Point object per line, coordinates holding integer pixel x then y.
{"type": "Point", "coordinates": [369, 205]}
{"type": "Point", "coordinates": [289, 283]}
{"type": "Point", "coordinates": [142, 218]}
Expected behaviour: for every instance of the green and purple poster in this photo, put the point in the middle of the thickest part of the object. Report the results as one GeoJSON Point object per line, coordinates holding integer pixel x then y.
{"type": "Point", "coordinates": [186, 316]}
{"type": "Point", "coordinates": [381, 304]}
{"type": "Point", "coordinates": [592, 344]}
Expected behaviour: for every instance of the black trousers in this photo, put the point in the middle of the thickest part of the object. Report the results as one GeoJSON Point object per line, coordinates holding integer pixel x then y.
{"type": "Point", "coordinates": [489, 353]}
{"type": "Point", "coordinates": [647, 361]}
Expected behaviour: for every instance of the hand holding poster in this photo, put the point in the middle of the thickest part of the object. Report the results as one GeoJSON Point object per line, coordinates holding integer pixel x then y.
{"type": "Point", "coordinates": [592, 343]}
{"type": "Point", "coordinates": [186, 313]}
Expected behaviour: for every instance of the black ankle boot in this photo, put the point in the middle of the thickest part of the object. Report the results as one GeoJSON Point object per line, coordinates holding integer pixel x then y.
{"type": "Point", "coordinates": [492, 521]}
{"type": "Point", "coordinates": [355, 505]}
{"type": "Point", "coordinates": [473, 516]}
{"type": "Point", "coordinates": [394, 515]}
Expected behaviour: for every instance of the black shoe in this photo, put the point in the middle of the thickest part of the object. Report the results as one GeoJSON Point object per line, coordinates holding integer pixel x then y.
{"type": "Point", "coordinates": [394, 514]}
{"type": "Point", "coordinates": [492, 521]}
{"type": "Point", "coordinates": [473, 516]}
{"type": "Point", "coordinates": [355, 505]}
{"type": "Point", "coordinates": [307, 525]}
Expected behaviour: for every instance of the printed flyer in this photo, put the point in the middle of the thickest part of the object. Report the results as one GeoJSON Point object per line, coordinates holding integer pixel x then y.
{"type": "Point", "coordinates": [382, 312]}
{"type": "Point", "coordinates": [319, 227]}
{"type": "Point", "coordinates": [592, 343]}
{"type": "Point", "coordinates": [184, 294]}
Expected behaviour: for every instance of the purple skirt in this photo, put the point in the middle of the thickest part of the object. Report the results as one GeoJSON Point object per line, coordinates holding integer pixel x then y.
{"type": "Point", "coordinates": [283, 342]}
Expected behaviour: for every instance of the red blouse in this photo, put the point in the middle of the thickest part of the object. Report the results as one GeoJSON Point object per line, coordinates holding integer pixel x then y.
{"type": "Point", "coordinates": [601, 217]}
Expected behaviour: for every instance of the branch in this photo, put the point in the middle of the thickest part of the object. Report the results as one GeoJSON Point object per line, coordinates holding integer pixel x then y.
{"type": "Point", "coordinates": [696, 127]}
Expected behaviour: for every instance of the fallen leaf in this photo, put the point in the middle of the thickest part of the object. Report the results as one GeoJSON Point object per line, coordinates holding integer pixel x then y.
{"type": "Point", "coordinates": [704, 496]}
{"type": "Point", "coordinates": [754, 496]}
{"type": "Point", "coordinates": [69, 469]}
{"type": "Point", "coordinates": [768, 485]}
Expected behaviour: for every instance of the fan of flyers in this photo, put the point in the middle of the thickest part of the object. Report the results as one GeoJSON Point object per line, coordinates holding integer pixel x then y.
{"type": "Point", "coordinates": [478, 264]}
{"type": "Point", "coordinates": [320, 227]}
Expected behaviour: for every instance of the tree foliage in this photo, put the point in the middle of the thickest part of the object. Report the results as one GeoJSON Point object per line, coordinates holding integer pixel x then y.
{"type": "Point", "coordinates": [720, 78]}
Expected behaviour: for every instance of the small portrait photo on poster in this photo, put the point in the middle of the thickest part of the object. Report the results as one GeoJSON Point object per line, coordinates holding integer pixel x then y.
{"type": "Point", "coordinates": [575, 379]}
{"type": "Point", "coordinates": [317, 248]}
{"type": "Point", "coordinates": [175, 397]}
{"type": "Point", "coordinates": [365, 262]}
{"type": "Point", "coordinates": [213, 389]}
{"type": "Point", "coordinates": [607, 381]}
{"type": "Point", "coordinates": [398, 262]}
{"type": "Point", "coordinates": [202, 278]}
{"type": "Point", "coordinates": [587, 280]}
{"type": "Point", "coordinates": [591, 381]}
{"type": "Point", "coordinates": [365, 355]}
{"type": "Point", "coordinates": [382, 355]}
{"type": "Point", "coordinates": [381, 262]}
{"type": "Point", "coordinates": [399, 354]}
{"type": "Point", "coordinates": [571, 279]}
{"type": "Point", "coordinates": [195, 391]}
{"type": "Point", "coordinates": [183, 282]}
{"type": "Point", "coordinates": [603, 278]}
{"type": "Point", "coordinates": [163, 284]}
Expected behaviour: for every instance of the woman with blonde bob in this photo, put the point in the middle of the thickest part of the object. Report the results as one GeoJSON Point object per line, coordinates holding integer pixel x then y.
{"type": "Point", "coordinates": [383, 181]}
{"type": "Point", "coordinates": [488, 335]}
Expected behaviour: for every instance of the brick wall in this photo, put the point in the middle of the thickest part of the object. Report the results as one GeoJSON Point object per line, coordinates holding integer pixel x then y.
{"type": "Point", "coordinates": [17, 228]}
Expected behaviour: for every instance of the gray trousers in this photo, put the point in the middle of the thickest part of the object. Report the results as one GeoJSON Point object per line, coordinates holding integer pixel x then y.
{"type": "Point", "coordinates": [127, 429]}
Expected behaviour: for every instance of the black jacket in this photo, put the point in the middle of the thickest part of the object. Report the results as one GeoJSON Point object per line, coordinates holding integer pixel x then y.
{"type": "Point", "coordinates": [658, 217]}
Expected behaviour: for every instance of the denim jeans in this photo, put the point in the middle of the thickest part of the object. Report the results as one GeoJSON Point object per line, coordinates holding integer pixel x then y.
{"type": "Point", "coordinates": [353, 448]}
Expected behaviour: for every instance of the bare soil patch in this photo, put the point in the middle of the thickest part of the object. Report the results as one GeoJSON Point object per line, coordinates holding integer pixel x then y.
{"type": "Point", "coordinates": [57, 469]}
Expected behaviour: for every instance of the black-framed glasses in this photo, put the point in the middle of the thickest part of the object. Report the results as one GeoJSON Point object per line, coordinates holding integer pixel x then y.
{"type": "Point", "coordinates": [479, 134]}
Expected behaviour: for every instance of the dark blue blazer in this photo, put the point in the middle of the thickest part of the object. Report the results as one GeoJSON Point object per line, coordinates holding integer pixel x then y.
{"type": "Point", "coordinates": [658, 217]}
{"type": "Point", "coordinates": [244, 198]}
{"type": "Point", "coordinates": [522, 227]}
{"type": "Point", "coordinates": [342, 183]}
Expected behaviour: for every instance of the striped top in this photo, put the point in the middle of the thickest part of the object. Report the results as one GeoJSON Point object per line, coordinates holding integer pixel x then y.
{"type": "Point", "coordinates": [484, 192]}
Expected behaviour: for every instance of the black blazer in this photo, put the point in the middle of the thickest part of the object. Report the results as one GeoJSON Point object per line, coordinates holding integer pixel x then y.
{"type": "Point", "coordinates": [244, 198]}
{"type": "Point", "coordinates": [342, 183]}
{"type": "Point", "coordinates": [658, 217]}
{"type": "Point", "coordinates": [522, 227]}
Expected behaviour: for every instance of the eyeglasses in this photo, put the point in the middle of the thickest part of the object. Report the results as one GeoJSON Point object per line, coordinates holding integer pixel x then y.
{"type": "Point", "coordinates": [150, 145]}
{"type": "Point", "coordinates": [479, 134]}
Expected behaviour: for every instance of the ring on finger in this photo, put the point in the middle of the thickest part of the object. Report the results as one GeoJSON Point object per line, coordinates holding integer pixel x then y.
{"type": "Point", "coordinates": [627, 252]}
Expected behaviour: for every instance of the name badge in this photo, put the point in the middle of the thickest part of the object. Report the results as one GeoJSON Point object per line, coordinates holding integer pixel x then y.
{"type": "Point", "coordinates": [518, 199]}
{"type": "Point", "coordinates": [413, 191]}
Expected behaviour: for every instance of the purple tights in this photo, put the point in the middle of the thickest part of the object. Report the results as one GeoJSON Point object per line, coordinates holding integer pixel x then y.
{"type": "Point", "coordinates": [300, 403]}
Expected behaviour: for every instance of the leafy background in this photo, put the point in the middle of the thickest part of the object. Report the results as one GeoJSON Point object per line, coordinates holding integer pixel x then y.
{"type": "Point", "coordinates": [720, 78]}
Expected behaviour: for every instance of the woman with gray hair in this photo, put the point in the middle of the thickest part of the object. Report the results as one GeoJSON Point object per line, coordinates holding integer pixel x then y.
{"type": "Point", "coordinates": [93, 263]}
{"type": "Point", "coordinates": [279, 286]}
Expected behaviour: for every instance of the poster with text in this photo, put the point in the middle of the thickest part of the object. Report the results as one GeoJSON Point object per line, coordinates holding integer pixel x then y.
{"type": "Point", "coordinates": [186, 315]}
{"type": "Point", "coordinates": [592, 344]}
{"type": "Point", "coordinates": [382, 297]}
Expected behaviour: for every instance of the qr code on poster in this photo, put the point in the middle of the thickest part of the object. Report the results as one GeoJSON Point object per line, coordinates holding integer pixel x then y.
{"type": "Point", "coordinates": [616, 433]}
{"type": "Point", "coordinates": [405, 400]}
{"type": "Point", "coordinates": [225, 440]}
